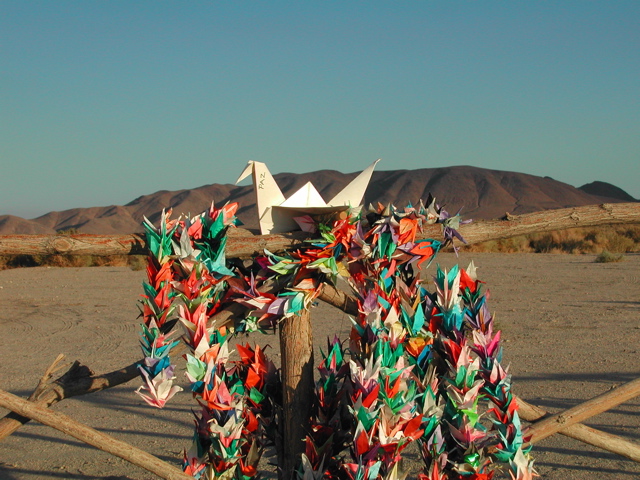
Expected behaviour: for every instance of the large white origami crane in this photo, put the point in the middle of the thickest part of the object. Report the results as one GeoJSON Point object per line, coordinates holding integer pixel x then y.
{"type": "Point", "coordinates": [277, 214]}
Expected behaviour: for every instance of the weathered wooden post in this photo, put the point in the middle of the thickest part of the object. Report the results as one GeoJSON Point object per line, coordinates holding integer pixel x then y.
{"type": "Point", "coordinates": [296, 354]}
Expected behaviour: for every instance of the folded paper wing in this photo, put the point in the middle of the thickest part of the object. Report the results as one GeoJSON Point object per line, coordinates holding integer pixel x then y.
{"type": "Point", "coordinates": [267, 193]}
{"type": "Point", "coordinates": [352, 194]}
{"type": "Point", "coordinates": [276, 214]}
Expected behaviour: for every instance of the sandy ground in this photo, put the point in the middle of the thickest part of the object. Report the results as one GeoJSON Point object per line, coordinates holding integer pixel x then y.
{"type": "Point", "coordinates": [571, 330]}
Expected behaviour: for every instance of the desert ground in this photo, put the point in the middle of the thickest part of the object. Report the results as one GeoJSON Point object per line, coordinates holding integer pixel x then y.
{"type": "Point", "coordinates": [571, 331]}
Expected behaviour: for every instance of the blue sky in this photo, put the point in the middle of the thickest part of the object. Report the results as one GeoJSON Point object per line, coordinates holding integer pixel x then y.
{"type": "Point", "coordinates": [103, 101]}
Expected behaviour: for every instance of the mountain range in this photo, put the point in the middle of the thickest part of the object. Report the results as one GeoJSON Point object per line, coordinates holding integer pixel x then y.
{"type": "Point", "coordinates": [479, 193]}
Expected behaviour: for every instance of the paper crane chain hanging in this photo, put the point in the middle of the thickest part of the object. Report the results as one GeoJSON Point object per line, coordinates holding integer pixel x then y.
{"type": "Point", "coordinates": [422, 366]}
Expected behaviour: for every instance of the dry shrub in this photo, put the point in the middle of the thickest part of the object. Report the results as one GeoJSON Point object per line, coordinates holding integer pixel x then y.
{"type": "Point", "coordinates": [562, 241]}
{"type": "Point", "coordinates": [137, 262]}
{"type": "Point", "coordinates": [620, 239]}
{"type": "Point", "coordinates": [519, 244]}
{"type": "Point", "coordinates": [68, 231]}
{"type": "Point", "coordinates": [18, 261]}
{"type": "Point", "coordinates": [608, 257]}
{"type": "Point", "coordinates": [619, 243]}
{"type": "Point", "coordinates": [66, 261]}
{"type": "Point", "coordinates": [633, 232]}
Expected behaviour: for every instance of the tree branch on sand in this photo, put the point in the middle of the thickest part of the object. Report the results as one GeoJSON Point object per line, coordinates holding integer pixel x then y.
{"type": "Point", "coordinates": [93, 437]}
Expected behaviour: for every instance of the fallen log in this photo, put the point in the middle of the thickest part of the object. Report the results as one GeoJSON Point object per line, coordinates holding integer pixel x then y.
{"type": "Point", "coordinates": [243, 244]}
{"type": "Point", "coordinates": [551, 220]}
{"type": "Point", "coordinates": [91, 436]}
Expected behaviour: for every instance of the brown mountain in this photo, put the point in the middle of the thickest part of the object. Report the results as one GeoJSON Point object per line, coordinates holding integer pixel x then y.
{"type": "Point", "coordinates": [10, 224]}
{"type": "Point", "coordinates": [604, 189]}
{"type": "Point", "coordinates": [479, 192]}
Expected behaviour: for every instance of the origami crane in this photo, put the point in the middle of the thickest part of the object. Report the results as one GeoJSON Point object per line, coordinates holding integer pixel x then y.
{"type": "Point", "coordinates": [277, 214]}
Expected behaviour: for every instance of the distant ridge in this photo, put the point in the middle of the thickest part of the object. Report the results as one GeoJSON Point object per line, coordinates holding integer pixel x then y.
{"type": "Point", "coordinates": [604, 189]}
{"type": "Point", "coordinates": [479, 192]}
{"type": "Point", "coordinates": [12, 225]}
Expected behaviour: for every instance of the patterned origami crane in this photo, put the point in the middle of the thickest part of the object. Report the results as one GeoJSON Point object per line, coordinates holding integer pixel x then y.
{"type": "Point", "coordinates": [277, 214]}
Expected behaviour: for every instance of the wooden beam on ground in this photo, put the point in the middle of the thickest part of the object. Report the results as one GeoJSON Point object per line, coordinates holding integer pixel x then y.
{"type": "Point", "coordinates": [585, 434]}
{"type": "Point", "coordinates": [91, 436]}
{"type": "Point", "coordinates": [79, 380]}
{"type": "Point", "coordinates": [555, 423]}
{"type": "Point", "coordinates": [242, 243]}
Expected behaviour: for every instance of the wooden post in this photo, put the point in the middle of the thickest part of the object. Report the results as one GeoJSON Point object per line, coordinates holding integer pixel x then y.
{"type": "Point", "coordinates": [601, 403]}
{"type": "Point", "coordinates": [296, 350]}
{"type": "Point", "coordinates": [93, 437]}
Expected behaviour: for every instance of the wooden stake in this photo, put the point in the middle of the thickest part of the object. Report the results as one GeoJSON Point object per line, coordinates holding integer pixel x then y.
{"type": "Point", "coordinates": [579, 413]}
{"type": "Point", "coordinates": [296, 349]}
{"type": "Point", "coordinates": [91, 436]}
{"type": "Point", "coordinates": [43, 384]}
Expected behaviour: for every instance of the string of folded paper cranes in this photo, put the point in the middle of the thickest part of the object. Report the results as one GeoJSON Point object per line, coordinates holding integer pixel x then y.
{"type": "Point", "coordinates": [418, 366]}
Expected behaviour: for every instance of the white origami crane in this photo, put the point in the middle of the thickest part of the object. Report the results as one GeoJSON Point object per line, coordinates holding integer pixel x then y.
{"type": "Point", "coordinates": [277, 214]}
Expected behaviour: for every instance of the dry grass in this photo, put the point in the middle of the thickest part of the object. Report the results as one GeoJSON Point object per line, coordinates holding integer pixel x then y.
{"type": "Point", "coordinates": [135, 262]}
{"type": "Point", "coordinates": [614, 239]}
